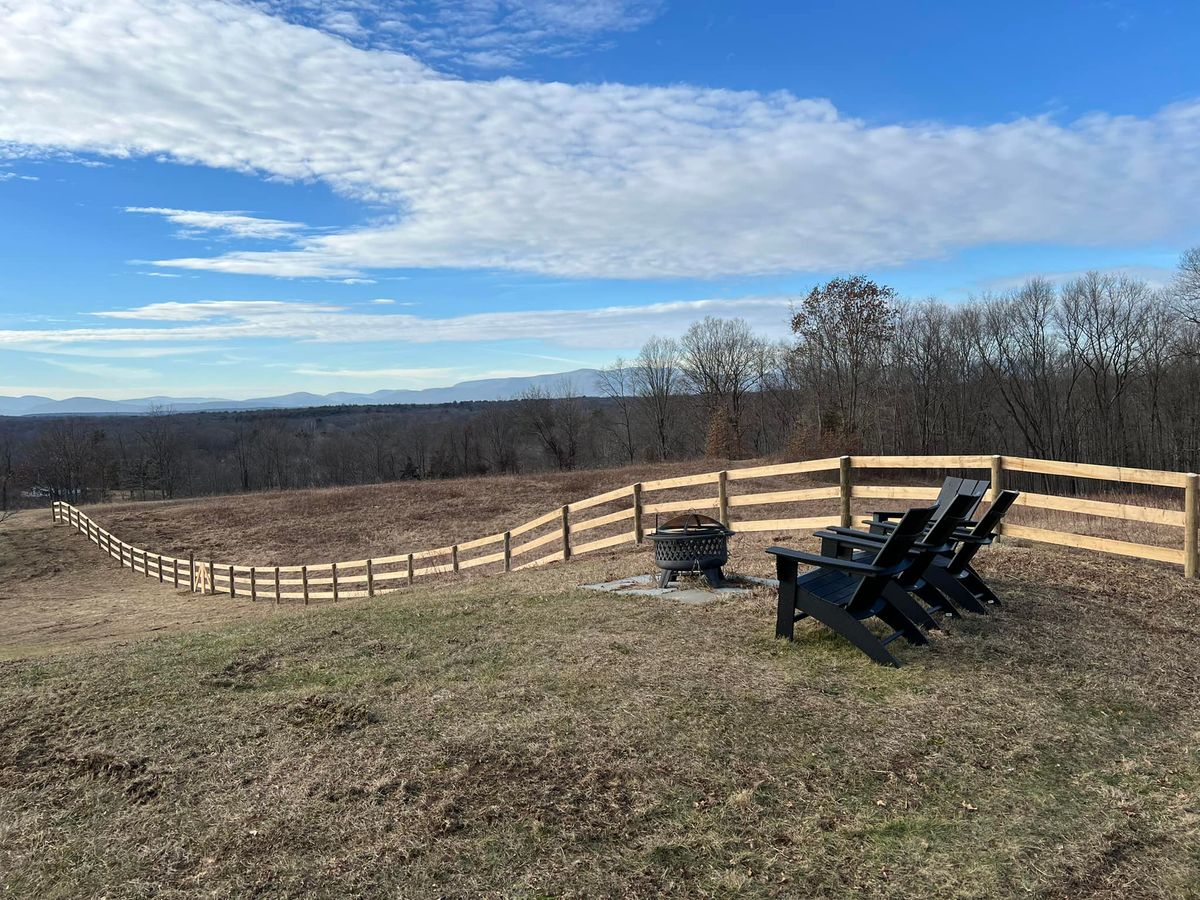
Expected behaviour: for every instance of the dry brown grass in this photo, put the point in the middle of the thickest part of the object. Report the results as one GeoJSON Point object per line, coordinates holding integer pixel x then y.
{"type": "Point", "coordinates": [58, 592]}
{"type": "Point", "coordinates": [517, 737]}
{"type": "Point", "coordinates": [296, 527]}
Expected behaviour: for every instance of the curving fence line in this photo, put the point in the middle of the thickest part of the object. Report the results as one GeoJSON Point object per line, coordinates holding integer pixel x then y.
{"type": "Point", "coordinates": [569, 535]}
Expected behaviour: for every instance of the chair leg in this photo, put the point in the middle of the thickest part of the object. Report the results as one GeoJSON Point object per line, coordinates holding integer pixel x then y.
{"type": "Point", "coordinates": [894, 616]}
{"type": "Point", "coordinates": [910, 609]}
{"type": "Point", "coordinates": [846, 625]}
{"type": "Point", "coordinates": [938, 601]}
{"type": "Point", "coordinates": [785, 614]}
{"type": "Point", "coordinates": [955, 589]}
{"type": "Point", "coordinates": [970, 578]}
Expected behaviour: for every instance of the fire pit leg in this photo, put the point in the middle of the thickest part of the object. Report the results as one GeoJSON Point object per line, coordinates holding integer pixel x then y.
{"type": "Point", "coordinates": [665, 577]}
{"type": "Point", "coordinates": [715, 578]}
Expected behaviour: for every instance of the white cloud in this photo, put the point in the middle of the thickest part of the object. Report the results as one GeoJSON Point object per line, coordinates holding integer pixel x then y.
{"type": "Point", "coordinates": [200, 310]}
{"type": "Point", "coordinates": [573, 180]}
{"type": "Point", "coordinates": [213, 320]}
{"type": "Point", "coordinates": [133, 352]}
{"type": "Point", "coordinates": [16, 176]}
{"type": "Point", "coordinates": [234, 224]}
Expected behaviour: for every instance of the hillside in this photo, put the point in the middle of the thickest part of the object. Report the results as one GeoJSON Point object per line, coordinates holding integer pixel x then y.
{"type": "Point", "coordinates": [515, 736]}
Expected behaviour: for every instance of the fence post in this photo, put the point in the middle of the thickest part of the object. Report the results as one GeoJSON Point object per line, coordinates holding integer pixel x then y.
{"type": "Point", "coordinates": [232, 591]}
{"type": "Point", "coordinates": [192, 570]}
{"type": "Point", "coordinates": [411, 574]}
{"type": "Point", "coordinates": [1191, 518]}
{"type": "Point", "coordinates": [253, 586]}
{"type": "Point", "coordinates": [146, 563]}
{"type": "Point", "coordinates": [304, 582]}
{"type": "Point", "coordinates": [277, 597]}
{"type": "Point", "coordinates": [175, 571]}
{"type": "Point", "coordinates": [507, 551]}
{"type": "Point", "coordinates": [566, 532]}
{"type": "Point", "coordinates": [637, 513]}
{"type": "Point", "coordinates": [454, 558]}
{"type": "Point", "coordinates": [212, 577]}
{"type": "Point", "coordinates": [846, 488]}
{"type": "Point", "coordinates": [53, 512]}
{"type": "Point", "coordinates": [158, 558]}
{"type": "Point", "coordinates": [333, 569]}
{"type": "Point", "coordinates": [370, 580]}
{"type": "Point", "coordinates": [997, 477]}
{"type": "Point", "coordinates": [723, 497]}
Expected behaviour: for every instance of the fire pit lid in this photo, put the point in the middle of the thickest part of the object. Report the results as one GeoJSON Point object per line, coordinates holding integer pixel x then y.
{"type": "Point", "coordinates": [692, 522]}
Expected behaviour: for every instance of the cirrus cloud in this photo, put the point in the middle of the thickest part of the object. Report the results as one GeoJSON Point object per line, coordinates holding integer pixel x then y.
{"type": "Point", "coordinates": [235, 224]}
{"type": "Point", "coordinates": [306, 322]}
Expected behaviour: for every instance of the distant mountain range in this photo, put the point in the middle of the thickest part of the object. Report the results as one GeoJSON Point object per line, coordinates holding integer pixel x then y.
{"type": "Point", "coordinates": [584, 382]}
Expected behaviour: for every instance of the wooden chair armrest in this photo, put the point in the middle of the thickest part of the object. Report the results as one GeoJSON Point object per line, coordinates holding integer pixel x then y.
{"type": "Point", "coordinates": [848, 566]}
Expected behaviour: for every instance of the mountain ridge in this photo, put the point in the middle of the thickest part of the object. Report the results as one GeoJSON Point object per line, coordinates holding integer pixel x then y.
{"type": "Point", "coordinates": [585, 382]}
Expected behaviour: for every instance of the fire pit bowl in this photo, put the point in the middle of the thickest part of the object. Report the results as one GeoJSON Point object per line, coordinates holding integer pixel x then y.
{"type": "Point", "coordinates": [691, 543]}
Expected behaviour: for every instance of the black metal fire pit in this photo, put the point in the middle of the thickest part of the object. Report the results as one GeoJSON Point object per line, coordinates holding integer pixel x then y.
{"type": "Point", "coordinates": [691, 543]}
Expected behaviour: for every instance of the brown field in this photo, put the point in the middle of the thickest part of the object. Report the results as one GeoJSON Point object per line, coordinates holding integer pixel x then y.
{"type": "Point", "coordinates": [295, 527]}
{"type": "Point", "coordinates": [510, 735]}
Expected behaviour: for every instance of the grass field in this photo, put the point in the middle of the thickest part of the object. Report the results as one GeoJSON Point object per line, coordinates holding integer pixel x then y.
{"type": "Point", "coordinates": [515, 736]}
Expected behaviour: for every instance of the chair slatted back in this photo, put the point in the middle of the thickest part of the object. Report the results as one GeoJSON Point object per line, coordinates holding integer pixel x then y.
{"type": "Point", "coordinates": [950, 490]}
{"type": "Point", "coordinates": [957, 487]}
{"type": "Point", "coordinates": [947, 520]}
{"type": "Point", "coordinates": [986, 529]}
{"type": "Point", "coordinates": [907, 532]}
{"type": "Point", "coordinates": [941, 532]}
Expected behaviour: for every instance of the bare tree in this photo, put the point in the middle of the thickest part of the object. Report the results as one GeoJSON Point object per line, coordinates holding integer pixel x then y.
{"type": "Point", "coordinates": [1187, 284]}
{"type": "Point", "coordinates": [500, 438]}
{"type": "Point", "coordinates": [159, 434]}
{"type": "Point", "coordinates": [1104, 320]}
{"type": "Point", "coordinates": [616, 381]}
{"type": "Point", "coordinates": [7, 472]}
{"type": "Point", "coordinates": [654, 378]}
{"type": "Point", "coordinates": [556, 421]}
{"type": "Point", "coordinates": [1022, 348]}
{"type": "Point", "coordinates": [719, 358]}
{"type": "Point", "coordinates": [845, 326]}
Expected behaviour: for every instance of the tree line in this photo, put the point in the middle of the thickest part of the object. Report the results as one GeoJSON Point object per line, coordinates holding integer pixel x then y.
{"type": "Point", "coordinates": [1102, 368]}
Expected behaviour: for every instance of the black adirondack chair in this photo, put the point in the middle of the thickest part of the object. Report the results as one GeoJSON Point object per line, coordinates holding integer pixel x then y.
{"type": "Point", "coordinates": [881, 521]}
{"type": "Point", "coordinates": [938, 541]}
{"type": "Point", "coordinates": [950, 571]}
{"type": "Point", "coordinates": [841, 593]}
{"type": "Point", "coordinates": [953, 574]}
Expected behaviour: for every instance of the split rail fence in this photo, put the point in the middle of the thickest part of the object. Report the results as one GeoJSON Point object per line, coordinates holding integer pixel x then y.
{"type": "Point", "coordinates": [565, 534]}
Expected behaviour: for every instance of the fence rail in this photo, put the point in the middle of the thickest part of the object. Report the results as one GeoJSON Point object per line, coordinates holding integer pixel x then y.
{"type": "Point", "coordinates": [559, 527]}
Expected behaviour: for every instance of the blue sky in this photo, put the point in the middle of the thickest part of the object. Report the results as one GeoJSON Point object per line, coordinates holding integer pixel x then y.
{"type": "Point", "coordinates": [236, 199]}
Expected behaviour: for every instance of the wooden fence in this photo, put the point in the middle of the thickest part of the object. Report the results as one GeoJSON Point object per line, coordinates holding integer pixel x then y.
{"type": "Point", "coordinates": [565, 534]}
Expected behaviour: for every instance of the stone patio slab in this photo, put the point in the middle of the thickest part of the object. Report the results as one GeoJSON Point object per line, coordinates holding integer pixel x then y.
{"type": "Point", "coordinates": [685, 590]}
